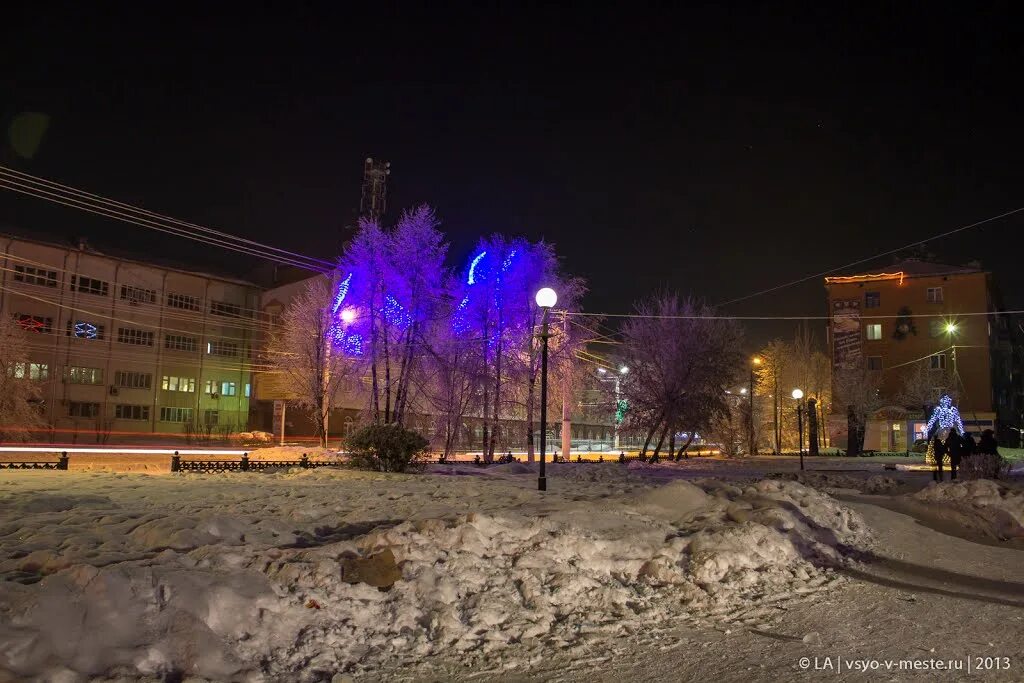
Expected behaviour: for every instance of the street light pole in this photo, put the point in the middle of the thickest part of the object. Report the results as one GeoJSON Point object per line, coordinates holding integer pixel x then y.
{"type": "Point", "coordinates": [754, 362]}
{"type": "Point", "coordinates": [798, 394]}
{"type": "Point", "coordinates": [546, 299]}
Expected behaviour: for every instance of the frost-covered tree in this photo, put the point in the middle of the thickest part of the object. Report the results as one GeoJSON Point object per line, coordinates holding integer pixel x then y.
{"type": "Point", "coordinates": [857, 393]}
{"type": "Point", "coordinates": [681, 362]}
{"type": "Point", "coordinates": [301, 348]}
{"type": "Point", "coordinates": [393, 285]}
{"type": "Point", "coordinates": [923, 386]}
{"type": "Point", "coordinates": [19, 391]}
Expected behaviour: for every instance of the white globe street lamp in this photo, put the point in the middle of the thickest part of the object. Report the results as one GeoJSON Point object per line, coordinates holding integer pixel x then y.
{"type": "Point", "coordinates": [546, 298]}
{"type": "Point", "coordinates": [797, 395]}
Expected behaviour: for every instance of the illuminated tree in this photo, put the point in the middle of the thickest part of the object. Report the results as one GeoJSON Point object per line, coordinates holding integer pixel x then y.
{"type": "Point", "coordinates": [857, 393]}
{"type": "Point", "coordinates": [19, 389]}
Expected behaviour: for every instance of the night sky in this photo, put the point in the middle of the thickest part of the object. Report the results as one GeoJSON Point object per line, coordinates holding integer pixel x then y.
{"type": "Point", "coordinates": [718, 151]}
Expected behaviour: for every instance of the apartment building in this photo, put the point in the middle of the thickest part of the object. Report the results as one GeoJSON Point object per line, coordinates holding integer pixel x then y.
{"type": "Point", "coordinates": [128, 347]}
{"type": "Point", "coordinates": [917, 315]}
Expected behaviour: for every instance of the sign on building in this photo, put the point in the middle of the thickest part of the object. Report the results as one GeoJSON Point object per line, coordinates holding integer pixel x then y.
{"type": "Point", "coordinates": [846, 334]}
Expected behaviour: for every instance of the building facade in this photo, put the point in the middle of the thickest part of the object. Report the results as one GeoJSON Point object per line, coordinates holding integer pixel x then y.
{"type": "Point", "coordinates": [129, 349]}
{"type": "Point", "coordinates": [913, 322]}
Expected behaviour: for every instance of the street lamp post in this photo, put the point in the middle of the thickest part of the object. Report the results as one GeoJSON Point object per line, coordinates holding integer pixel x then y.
{"type": "Point", "coordinates": [754, 362]}
{"type": "Point", "coordinates": [546, 299]}
{"type": "Point", "coordinates": [797, 396]}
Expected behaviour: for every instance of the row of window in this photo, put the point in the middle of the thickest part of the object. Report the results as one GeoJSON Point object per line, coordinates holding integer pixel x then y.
{"type": "Point", "coordinates": [130, 293]}
{"type": "Point", "coordinates": [130, 379]}
{"type": "Point", "coordinates": [125, 411]}
{"type": "Point", "coordinates": [935, 362]}
{"type": "Point", "coordinates": [933, 295]}
{"type": "Point", "coordinates": [83, 329]}
{"type": "Point", "coordinates": [936, 328]}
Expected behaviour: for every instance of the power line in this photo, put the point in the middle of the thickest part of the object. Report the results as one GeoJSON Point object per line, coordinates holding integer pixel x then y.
{"type": "Point", "coordinates": [872, 258]}
{"type": "Point", "coordinates": [949, 315]}
{"type": "Point", "coordinates": [112, 210]}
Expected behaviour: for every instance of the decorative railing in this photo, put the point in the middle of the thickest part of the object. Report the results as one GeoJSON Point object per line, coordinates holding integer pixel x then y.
{"type": "Point", "coordinates": [59, 464]}
{"type": "Point", "coordinates": [244, 464]}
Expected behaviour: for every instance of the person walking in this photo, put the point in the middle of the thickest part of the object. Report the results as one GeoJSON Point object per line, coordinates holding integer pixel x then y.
{"type": "Point", "coordinates": [970, 448]}
{"type": "Point", "coordinates": [939, 449]}
{"type": "Point", "coordinates": [956, 446]}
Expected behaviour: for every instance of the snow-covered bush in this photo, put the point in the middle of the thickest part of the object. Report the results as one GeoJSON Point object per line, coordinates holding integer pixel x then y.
{"type": "Point", "coordinates": [387, 448]}
{"type": "Point", "coordinates": [983, 466]}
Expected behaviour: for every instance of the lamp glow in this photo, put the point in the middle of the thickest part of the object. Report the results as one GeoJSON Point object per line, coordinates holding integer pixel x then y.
{"type": "Point", "coordinates": [798, 394]}
{"type": "Point", "coordinates": [623, 370]}
{"type": "Point", "coordinates": [743, 390]}
{"type": "Point", "coordinates": [756, 360]}
{"type": "Point", "coordinates": [601, 371]}
{"type": "Point", "coordinates": [951, 328]}
{"type": "Point", "coordinates": [546, 298]}
{"type": "Point", "coordinates": [348, 315]}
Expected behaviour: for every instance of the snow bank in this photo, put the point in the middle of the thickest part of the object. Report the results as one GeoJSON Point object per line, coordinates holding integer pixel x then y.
{"type": "Point", "coordinates": [240, 578]}
{"type": "Point", "coordinates": [831, 482]}
{"type": "Point", "coordinates": [996, 509]}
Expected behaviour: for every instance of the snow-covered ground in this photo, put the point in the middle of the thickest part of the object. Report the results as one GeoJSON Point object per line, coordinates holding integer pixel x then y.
{"type": "Point", "coordinates": [314, 575]}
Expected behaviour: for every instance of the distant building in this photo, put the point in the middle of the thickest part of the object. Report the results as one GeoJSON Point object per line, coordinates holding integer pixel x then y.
{"type": "Point", "coordinates": [920, 315]}
{"type": "Point", "coordinates": [127, 348]}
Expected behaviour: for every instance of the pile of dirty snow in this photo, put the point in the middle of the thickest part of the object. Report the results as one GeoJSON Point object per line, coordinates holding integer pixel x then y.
{"type": "Point", "coordinates": [301, 576]}
{"type": "Point", "coordinates": [833, 482]}
{"type": "Point", "coordinates": [995, 509]}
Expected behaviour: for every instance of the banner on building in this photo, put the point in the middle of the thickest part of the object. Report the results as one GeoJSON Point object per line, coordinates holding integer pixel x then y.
{"type": "Point", "coordinates": [846, 334]}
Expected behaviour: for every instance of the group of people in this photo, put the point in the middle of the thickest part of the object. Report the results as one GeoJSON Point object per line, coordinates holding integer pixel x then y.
{"type": "Point", "coordinates": [958, 447]}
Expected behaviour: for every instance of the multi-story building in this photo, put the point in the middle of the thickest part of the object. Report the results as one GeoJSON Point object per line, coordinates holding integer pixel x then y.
{"type": "Point", "coordinates": [128, 347]}
{"type": "Point", "coordinates": [928, 319]}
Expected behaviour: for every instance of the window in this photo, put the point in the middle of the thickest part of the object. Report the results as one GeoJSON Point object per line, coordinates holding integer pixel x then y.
{"type": "Point", "coordinates": [171, 414]}
{"type": "Point", "coordinates": [178, 342]}
{"type": "Point", "coordinates": [128, 335]}
{"type": "Point", "coordinates": [80, 409]}
{"type": "Point", "coordinates": [210, 417]}
{"type": "Point", "coordinates": [935, 295]}
{"type": "Point", "coordinates": [248, 389]}
{"type": "Point", "coordinates": [133, 380]}
{"type": "Point", "coordinates": [224, 308]}
{"type": "Point", "coordinates": [137, 295]}
{"type": "Point", "coordinates": [872, 299]}
{"type": "Point", "coordinates": [129, 412]}
{"type": "Point", "coordinates": [228, 389]}
{"type": "Point", "coordinates": [83, 329]}
{"type": "Point", "coordinates": [34, 323]}
{"type": "Point", "coordinates": [187, 384]}
{"type": "Point", "coordinates": [33, 371]}
{"type": "Point", "coordinates": [79, 375]}
{"type": "Point", "coordinates": [874, 331]}
{"type": "Point", "coordinates": [189, 303]}
{"type": "Point", "coordinates": [874, 363]}
{"type": "Point", "coordinates": [937, 362]}
{"type": "Point", "coordinates": [221, 348]}
{"type": "Point", "coordinates": [35, 276]}
{"type": "Point", "coordinates": [88, 285]}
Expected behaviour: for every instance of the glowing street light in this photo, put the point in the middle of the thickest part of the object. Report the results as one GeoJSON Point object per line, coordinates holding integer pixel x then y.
{"type": "Point", "coordinates": [951, 328]}
{"type": "Point", "coordinates": [623, 370]}
{"type": "Point", "coordinates": [348, 315]}
{"type": "Point", "coordinates": [798, 394]}
{"type": "Point", "coordinates": [546, 298]}
{"type": "Point", "coordinates": [752, 447]}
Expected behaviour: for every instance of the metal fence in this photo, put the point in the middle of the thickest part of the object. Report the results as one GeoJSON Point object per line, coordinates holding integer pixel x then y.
{"type": "Point", "coordinates": [59, 464]}
{"type": "Point", "coordinates": [244, 464]}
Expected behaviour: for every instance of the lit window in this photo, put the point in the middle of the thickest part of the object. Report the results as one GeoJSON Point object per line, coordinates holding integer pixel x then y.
{"type": "Point", "coordinates": [937, 362]}
{"type": "Point", "coordinates": [874, 331]}
{"type": "Point", "coordinates": [186, 384]}
{"type": "Point", "coordinates": [228, 388]}
{"type": "Point", "coordinates": [79, 375]}
{"type": "Point", "coordinates": [33, 371]}
{"type": "Point", "coordinates": [248, 390]}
